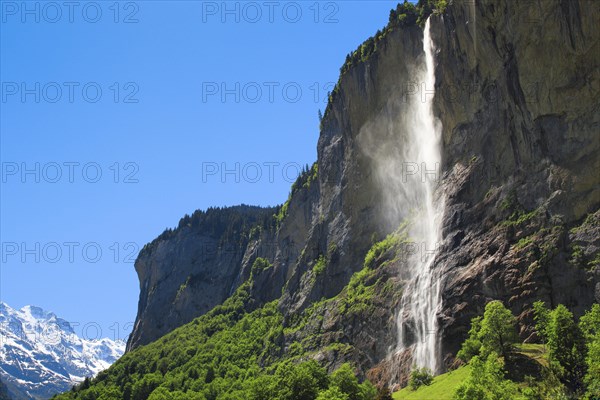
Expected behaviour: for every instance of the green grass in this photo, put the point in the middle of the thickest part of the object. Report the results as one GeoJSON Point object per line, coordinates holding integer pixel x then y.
{"type": "Point", "coordinates": [537, 352]}
{"type": "Point", "coordinates": [442, 387]}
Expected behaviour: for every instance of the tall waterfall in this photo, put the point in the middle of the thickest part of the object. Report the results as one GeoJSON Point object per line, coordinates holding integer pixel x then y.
{"type": "Point", "coordinates": [403, 144]}
{"type": "Point", "coordinates": [416, 321]}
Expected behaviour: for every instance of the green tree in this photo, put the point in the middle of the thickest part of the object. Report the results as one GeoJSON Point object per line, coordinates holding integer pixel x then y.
{"type": "Point", "coordinates": [333, 393]}
{"type": "Point", "coordinates": [145, 386]}
{"type": "Point", "coordinates": [498, 330]}
{"type": "Point", "coordinates": [160, 393]}
{"type": "Point", "coordinates": [262, 387]}
{"type": "Point", "coordinates": [368, 391]}
{"type": "Point", "coordinates": [590, 327]}
{"type": "Point", "coordinates": [85, 384]}
{"type": "Point", "coordinates": [486, 381]}
{"type": "Point", "coordinates": [589, 323]}
{"type": "Point", "coordinates": [541, 316]}
{"type": "Point", "coordinates": [494, 332]}
{"type": "Point", "coordinates": [162, 366]}
{"type": "Point", "coordinates": [472, 345]}
{"type": "Point", "coordinates": [300, 382]}
{"type": "Point", "coordinates": [210, 375]}
{"type": "Point", "coordinates": [127, 389]}
{"type": "Point", "coordinates": [111, 394]}
{"type": "Point", "coordinates": [592, 378]}
{"type": "Point", "coordinates": [566, 347]}
{"type": "Point", "coordinates": [93, 393]}
{"type": "Point", "coordinates": [345, 380]}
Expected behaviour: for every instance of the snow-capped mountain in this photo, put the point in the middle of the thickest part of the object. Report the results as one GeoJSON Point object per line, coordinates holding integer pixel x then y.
{"type": "Point", "coordinates": [41, 355]}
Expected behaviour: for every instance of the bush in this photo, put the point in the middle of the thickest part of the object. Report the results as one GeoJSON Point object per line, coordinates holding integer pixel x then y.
{"type": "Point", "coordinates": [260, 264]}
{"type": "Point", "coordinates": [384, 393]}
{"type": "Point", "coordinates": [420, 377]}
{"type": "Point", "coordinates": [320, 266]}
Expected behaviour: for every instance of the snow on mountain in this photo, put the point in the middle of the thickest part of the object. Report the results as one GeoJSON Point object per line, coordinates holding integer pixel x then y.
{"type": "Point", "coordinates": [41, 355]}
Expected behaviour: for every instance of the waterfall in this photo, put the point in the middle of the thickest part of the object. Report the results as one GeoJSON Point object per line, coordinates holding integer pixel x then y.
{"type": "Point", "coordinates": [403, 144]}
{"type": "Point", "coordinates": [416, 320]}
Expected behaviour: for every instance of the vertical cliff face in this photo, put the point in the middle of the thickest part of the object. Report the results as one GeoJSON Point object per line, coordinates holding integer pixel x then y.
{"type": "Point", "coordinates": [348, 216]}
{"type": "Point", "coordinates": [187, 271]}
{"type": "Point", "coordinates": [518, 94]}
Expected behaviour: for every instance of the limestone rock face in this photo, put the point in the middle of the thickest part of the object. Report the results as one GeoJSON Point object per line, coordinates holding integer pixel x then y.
{"type": "Point", "coordinates": [518, 96]}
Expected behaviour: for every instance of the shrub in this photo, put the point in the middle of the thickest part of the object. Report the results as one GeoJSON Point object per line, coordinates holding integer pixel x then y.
{"type": "Point", "coordinates": [260, 264]}
{"type": "Point", "coordinates": [320, 266]}
{"type": "Point", "coordinates": [384, 393]}
{"type": "Point", "coordinates": [420, 377]}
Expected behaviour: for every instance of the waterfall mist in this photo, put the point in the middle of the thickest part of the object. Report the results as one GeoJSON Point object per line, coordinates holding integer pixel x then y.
{"type": "Point", "coordinates": [404, 146]}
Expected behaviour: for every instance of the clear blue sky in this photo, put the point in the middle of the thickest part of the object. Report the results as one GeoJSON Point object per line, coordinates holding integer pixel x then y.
{"type": "Point", "coordinates": [164, 126]}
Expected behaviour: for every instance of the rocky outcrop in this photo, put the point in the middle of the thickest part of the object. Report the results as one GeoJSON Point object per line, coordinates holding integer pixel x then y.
{"type": "Point", "coordinates": [518, 96]}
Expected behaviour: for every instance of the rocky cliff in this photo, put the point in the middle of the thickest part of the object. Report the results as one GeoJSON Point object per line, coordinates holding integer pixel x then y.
{"type": "Point", "coordinates": [518, 95]}
{"type": "Point", "coordinates": [187, 271]}
{"type": "Point", "coordinates": [521, 146]}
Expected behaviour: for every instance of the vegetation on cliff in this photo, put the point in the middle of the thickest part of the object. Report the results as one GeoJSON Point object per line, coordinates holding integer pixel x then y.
{"type": "Point", "coordinates": [303, 181]}
{"type": "Point", "coordinates": [405, 14]}
{"type": "Point", "coordinates": [243, 350]}
{"type": "Point", "coordinates": [229, 224]}
{"type": "Point", "coordinates": [233, 352]}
